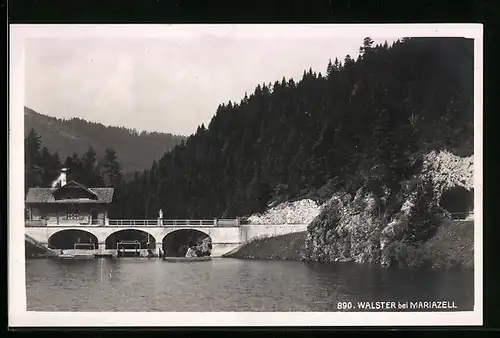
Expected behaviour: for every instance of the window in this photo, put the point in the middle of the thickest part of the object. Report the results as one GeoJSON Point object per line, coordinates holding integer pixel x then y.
{"type": "Point", "coordinates": [74, 214]}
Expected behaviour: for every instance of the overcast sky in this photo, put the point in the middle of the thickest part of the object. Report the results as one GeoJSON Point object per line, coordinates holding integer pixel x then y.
{"type": "Point", "coordinates": [170, 84]}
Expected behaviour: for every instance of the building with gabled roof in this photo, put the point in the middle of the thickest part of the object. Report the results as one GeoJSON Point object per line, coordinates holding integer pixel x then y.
{"type": "Point", "coordinates": [70, 204]}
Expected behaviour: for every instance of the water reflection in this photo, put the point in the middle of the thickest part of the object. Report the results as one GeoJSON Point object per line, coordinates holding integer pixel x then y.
{"type": "Point", "coordinates": [372, 283]}
{"type": "Point", "coordinates": [134, 284]}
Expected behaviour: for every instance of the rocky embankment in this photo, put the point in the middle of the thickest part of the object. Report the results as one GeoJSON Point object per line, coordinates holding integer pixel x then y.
{"type": "Point", "coordinates": [298, 212]}
{"type": "Point", "coordinates": [403, 228]}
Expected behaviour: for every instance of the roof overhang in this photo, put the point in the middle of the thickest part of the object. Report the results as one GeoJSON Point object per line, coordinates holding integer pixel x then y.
{"type": "Point", "coordinates": [72, 186]}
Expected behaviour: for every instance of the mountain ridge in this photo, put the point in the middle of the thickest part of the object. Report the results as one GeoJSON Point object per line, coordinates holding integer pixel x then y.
{"type": "Point", "coordinates": [136, 150]}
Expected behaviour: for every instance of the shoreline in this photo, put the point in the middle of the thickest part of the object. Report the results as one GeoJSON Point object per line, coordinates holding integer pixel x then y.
{"type": "Point", "coordinates": [451, 247]}
{"type": "Point", "coordinates": [282, 247]}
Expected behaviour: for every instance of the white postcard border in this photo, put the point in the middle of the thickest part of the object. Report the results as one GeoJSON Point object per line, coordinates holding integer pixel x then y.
{"type": "Point", "coordinates": [20, 317]}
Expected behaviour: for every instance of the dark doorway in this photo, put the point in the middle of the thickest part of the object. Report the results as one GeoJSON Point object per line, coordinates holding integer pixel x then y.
{"type": "Point", "coordinates": [458, 201]}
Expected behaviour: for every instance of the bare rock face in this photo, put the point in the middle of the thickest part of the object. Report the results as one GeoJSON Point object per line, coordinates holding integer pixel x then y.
{"type": "Point", "coordinates": [299, 212]}
{"type": "Point", "coordinates": [366, 227]}
{"type": "Point", "coordinates": [446, 170]}
{"type": "Point", "coordinates": [347, 229]}
{"type": "Point", "coordinates": [397, 227]}
{"type": "Point", "coordinates": [355, 229]}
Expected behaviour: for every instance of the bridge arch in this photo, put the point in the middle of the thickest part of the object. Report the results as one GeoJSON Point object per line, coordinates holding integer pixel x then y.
{"type": "Point", "coordinates": [73, 238]}
{"type": "Point", "coordinates": [178, 242]}
{"type": "Point", "coordinates": [144, 239]}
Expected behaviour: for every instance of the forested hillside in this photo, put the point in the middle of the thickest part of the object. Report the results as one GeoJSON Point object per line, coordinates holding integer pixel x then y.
{"type": "Point", "coordinates": [359, 119]}
{"type": "Point", "coordinates": [74, 136]}
{"type": "Point", "coordinates": [42, 167]}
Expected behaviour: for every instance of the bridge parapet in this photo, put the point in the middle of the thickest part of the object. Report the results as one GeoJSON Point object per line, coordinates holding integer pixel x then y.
{"type": "Point", "coordinates": [35, 223]}
{"type": "Point", "coordinates": [133, 222]}
{"type": "Point", "coordinates": [173, 222]}
{"type": "Point", "coordinates": [225, 237]}
{"type": "Point", "coordinates": [189, 222]}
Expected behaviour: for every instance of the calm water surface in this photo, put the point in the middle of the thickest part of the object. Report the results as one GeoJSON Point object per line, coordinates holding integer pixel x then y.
{"type": "Point", "coordinates": [134, 284]}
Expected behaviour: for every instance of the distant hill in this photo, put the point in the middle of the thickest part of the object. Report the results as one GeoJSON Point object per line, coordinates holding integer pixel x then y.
{"type": "Point", "coordinates": [135, 151]}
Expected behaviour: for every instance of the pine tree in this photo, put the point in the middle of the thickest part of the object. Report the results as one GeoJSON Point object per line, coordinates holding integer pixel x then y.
{"type": "Point", "coordinates": [367, 45]}
{"type": "Point", "coordinates": [337, 65]}
{"type": "Point", "coordinates": [110, 169]}
{"type": "Point", "coordinates": [90, 175]}
{"type": "Point", "coordinates": [74, 166]}
{"type": "Point", "coordinates": [329, 68]}
{"type": "Point", "coordinates": [258, 194]}
{"type": "Point", "coordinates": [51, 167]}
{"type": "Point", "coordinates": [33, 162]}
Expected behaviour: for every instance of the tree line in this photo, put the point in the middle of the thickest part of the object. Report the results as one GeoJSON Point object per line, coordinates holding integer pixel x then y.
{"type": "Point", "coordinates": [42, 167]}
{"type": "Point", "coordinates": [364, 119]}
{"type": "Point", "coordinates": [67, 136]}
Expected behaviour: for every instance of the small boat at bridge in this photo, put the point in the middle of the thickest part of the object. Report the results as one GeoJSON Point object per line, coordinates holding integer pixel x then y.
{"type": "Point", "coordinates": [70, 256]}
{"type": "Point", "coordinates": [65, 256]}
{"type": "Point", "coordinates": [103, 255]}
{"type": "Point", "coordinates": [187, 259]}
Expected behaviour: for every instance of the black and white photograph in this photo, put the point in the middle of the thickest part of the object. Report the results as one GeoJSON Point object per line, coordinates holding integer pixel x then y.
{"type": "Point", "coordinates": [245, 175]}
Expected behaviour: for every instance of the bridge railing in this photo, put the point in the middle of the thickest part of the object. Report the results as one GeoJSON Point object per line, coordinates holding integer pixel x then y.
{"type": "Point", "coordinates": [188, 222]}
{"type": "Point", "coordinates": [133, 222]}
{"type": "Point", "coordinates": [35, 223]}
{"type": "Point", "coordinates": [174, 222]}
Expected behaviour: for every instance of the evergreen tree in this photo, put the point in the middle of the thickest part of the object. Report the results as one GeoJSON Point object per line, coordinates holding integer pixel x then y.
{"type": "Point", "coordinates": [367, 45]}
{"type": "Point", "coordinates": [258, 194]}
{"type": "Point", "coordinates": [110, 169]}
{"type": "Point", "coordinates": [33, 166]}
{"type": "Point", "coordinates": [51, 167]}
{"type": "Point", "coordinates": [337, 65]}
{"type": "Point", "coordinates": [74, 166]}
{"type": "Point", "coordinates": [90, 175]}
{"type": "Point", "coordinates": [329, 69]}
{"type": "Point", "coordinates": [41, 167]}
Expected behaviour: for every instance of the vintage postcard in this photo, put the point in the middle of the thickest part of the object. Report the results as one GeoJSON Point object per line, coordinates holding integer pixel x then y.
{"type": "Point", "coordinates": [245, 175]}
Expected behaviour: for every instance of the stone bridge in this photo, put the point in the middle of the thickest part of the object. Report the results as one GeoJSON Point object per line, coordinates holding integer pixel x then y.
{"type": "Point", "coordinates": [224, 238]}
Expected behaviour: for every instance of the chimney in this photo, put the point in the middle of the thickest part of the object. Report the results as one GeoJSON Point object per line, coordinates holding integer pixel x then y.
{"type": "Point", "coordinates": [63, 177]}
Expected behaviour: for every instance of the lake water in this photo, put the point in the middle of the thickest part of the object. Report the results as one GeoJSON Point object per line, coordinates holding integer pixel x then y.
{"type": "Point", "coordinates": [135, 284]}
